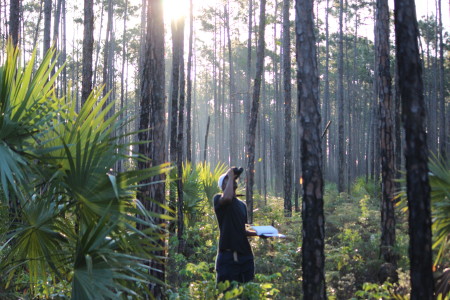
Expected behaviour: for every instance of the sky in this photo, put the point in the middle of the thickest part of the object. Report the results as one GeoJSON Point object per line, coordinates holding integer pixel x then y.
{"type": "Point", "coordinates": [423, 7]}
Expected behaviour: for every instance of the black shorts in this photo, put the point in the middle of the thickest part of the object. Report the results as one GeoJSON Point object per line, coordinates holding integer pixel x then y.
{"type": "Point", "coordinates": [227, 268]}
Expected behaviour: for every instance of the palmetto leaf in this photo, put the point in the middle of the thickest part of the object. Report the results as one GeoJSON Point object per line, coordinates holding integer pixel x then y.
{"type": "Point", "coordinates": [77, 219]}
{"type": "Point", "coordinates": [27, 105]}
{"type": "Point", "coordinates": [439, 178]}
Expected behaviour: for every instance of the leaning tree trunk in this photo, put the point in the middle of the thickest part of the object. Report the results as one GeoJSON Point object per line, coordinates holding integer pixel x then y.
{"type": "Point", "coordinates": [152, 126]}
{"type": "Point", "coordinates": [287, 110]}
{"type": "Point", "coordinates": [313, 257]}
{"type": "Point", "coordinates": [88, 47]}
{"type": "Point", "coordinates": [251, 131]}
{"type": "Point", "coordinates": [384, 92]}
{"type": "Point", "coordinates": [416, 152]}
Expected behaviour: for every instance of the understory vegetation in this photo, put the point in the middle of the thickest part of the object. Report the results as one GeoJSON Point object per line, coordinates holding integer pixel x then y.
{"type": "Point", "coordinates": [352, 251]}
{"type": "Point", "coordinates": [72, 230]}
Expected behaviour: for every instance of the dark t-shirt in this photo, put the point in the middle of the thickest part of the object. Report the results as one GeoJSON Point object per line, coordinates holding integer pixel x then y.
{"type": "Point", "coordinates": [232, 218]}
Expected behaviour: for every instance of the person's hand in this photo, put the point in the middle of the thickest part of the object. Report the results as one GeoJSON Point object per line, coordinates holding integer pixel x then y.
{"type": "Point", "coordinates": [231, 175]}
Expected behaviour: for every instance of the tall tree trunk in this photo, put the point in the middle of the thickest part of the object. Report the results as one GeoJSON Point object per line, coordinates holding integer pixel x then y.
{"type": "Point", "coordinates": [341, 148]}
{"type": "Point", "coordinates": [122, 73]}
{"type": "Point", "coordinates": [173, 147]}
{"type": "Point", "coordinates": [14, 21]}
{"type": "Point", "coordinates": [88, 46]}
{"type": "Point", "coordinates": [313, 258]}
{"type": "Point", "coordinates": [384, 92]}
{"type": "Point", "coordinates": [416, 152]}
{"type": "Point", "coordinates": [180, 213]}
{"type": "Point", "coordinates": [251, 132]}
{"type": "Point", "coordinates": [97, 52]}
{"type": "Point", "coordinates": [47, 25]}
{"type": "Point", "coordinates": [442, 117]}
{"type": "Point", "coordinates": [152, 121]}
{"type": "Point", "coordinates": [56, 21]}
{"type": "Point", "coordinates": [64, 48]}
{"type": "Point", "coordinates": [106, 50]}
{"type": "Point", "coordinates": [398, 132]}
{"type": "Point", "coordinates": [326, 94]}
{"type": "Point", "coordinates": [38, 24]}
{"type": "Point", "coordinates": [189, 86]}
{"type": "Point", "coordinates": [249, 60]}
{"type": "Point", "coordinates": [287, 110]}
{"type": "Point", "coordinates": [232, 88]}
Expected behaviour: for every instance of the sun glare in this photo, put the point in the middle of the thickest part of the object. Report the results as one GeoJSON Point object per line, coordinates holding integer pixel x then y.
{"type": "Point", "coordinates": [176, 9]}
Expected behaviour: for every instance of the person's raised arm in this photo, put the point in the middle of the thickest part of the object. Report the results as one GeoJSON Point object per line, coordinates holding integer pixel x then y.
{"type": "Point", "coordinates": [228, 192]}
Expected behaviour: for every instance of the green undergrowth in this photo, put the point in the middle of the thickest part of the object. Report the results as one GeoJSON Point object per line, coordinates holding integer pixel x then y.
{"type": "Point", "coordinates": [352, 230]}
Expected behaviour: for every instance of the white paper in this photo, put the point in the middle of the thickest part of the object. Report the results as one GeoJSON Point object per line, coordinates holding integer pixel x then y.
{"type": "Point", "coordinates": [267, 231]}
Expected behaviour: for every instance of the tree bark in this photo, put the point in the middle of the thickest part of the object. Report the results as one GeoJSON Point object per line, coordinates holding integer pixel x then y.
{"type": "Point", "coordinates": [442, 116]}
{"type": "Point", "coordinates": [251, 132]}
{"type": "Point", "coordinates": [384, 92]}
{"type": "Point", "coordinates": [341, 148]}
{"type": "Point", "coordinates": [180, 213]}
{"type": "Point", "coordinates": [287, 110]}
{"type": "Point", "coordinates": [14, 21]}
{"type": "Point", "coordinates": [313, 258]}
{"type": "Point", "coordinates": [249, 60]}
{"type": "Point", "coordinates": [47, 25]}
{"type": "Point", "coordinates": [416, 152]}
{"type": "Point", "coordinates": [56, 21]}
{"type": "Point", "coordinates": [205, 150]}
{"type": "Point", "coordinates": [326, 94]}
{"type": "Point", "coordinates": [152, 118]}
{"type": "Point", "coordinates": [189, 86]}
{"type": "Point", "coordinates": [88, 46]}
{"type": "Point", "coordinates": [232, 89]}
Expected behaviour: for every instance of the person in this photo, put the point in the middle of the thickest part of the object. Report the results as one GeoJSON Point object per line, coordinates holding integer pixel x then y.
{"type": "Point", "coordinates": [235, 261]}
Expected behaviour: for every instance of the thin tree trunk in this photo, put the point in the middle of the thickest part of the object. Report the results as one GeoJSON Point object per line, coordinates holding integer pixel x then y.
{"type": "Point", "coordinates": [416, 152]}
{"type": "Point", "coordinates": [189, 86]}
{"type": "Point", "coordinates": [152, 118]}
{"type": "Point", "coordinates": [313, 257]}
{"type": "Point", "coordinates": [326, 95]}
{"type": "Point", "coordinates": [180, 213]}
{"type": "Point", "coordinates": [398, 132]}
{"type": "Point", "coordinates": [56, 21]}
{"type": "Point", "coordinates": [97, 52]}
{"type": "Point", "coordinates": [442, 117]}
{"type": "Point", "coordinates": [233, 110]}
{"type": "Point", "coordinates": [287, 110]}
{"type": "Point", "coordinates": [106, 50]}
{"type": "Point", "coordinates": [384, 92]}
{"type": "Point", "coordinates": [205, 150]}
{"type": "Point", "coordinates": [88, 46]}
{"type": "Point", "coordinates": [341, 149]}
{"type": "Point", "coordinates": [251, 135]}
{"type": "Point", "coordinates": [64, 47]}
{"type": "Point", "coordinates": [173, 147]}
{"type": "Point", "coordinates": [38, 25]}
{"type": "Point", "coordinates": [249, 60]}
{"type": "Point", "coordinates": [47, 25]}
{"type": "Point", "coordinates": [14, 21]}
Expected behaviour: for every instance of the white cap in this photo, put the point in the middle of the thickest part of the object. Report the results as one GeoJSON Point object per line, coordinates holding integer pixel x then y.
{"type": "Point", "coordinates": [221, 179]}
